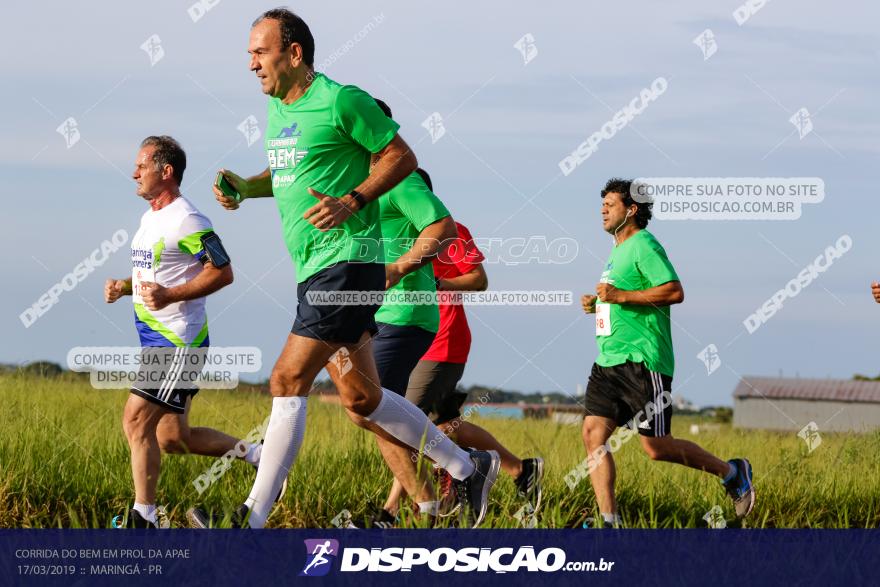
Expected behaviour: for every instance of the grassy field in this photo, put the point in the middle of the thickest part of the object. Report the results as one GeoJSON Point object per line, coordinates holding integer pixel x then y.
{"type": "Point", "coordinates": [64, 463]}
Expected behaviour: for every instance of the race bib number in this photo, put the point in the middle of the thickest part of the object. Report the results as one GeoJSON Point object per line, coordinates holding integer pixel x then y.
{"type": "Point", "coordinates": [138, 275]}
{"type": "Point", "coordinates": [603, 319]}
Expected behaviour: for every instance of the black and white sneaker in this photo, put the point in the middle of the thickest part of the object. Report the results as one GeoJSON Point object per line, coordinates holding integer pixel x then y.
{"type": "Point", "coordinates": [473, 492]}
{"type": "Point", "coordinates": [199, 518]}
{"type": "Point", "coordinates": [528, 484]}
{"type": "Point", "coordinates": [134, 521]}
{"type": "Point", "coordinates": [380, 519]}
{"type": "Point", "coordinates": [593, 523]}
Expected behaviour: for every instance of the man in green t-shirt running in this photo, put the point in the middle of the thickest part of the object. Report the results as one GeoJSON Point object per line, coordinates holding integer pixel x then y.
{"type": "Point", "coordinates": [631, 381]}
{"type": "Point", "coordinates": [416, 229]}
{"type": "Point", "coordinates": [320, 139]}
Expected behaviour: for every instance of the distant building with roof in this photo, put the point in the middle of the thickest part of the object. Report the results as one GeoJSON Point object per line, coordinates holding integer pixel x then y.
{"type": "Point", "coordinates": [835, 405]}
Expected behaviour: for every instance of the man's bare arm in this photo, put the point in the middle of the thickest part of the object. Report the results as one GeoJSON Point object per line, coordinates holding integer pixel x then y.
{"type": "Point", "coordinates": [474, 280]}
{"type": "Point", "coordinates": [209, 280]}
{"type": "Point", "coordinates": [257, 186]}
{"type": "Point", "coordinates": [395, 162]}
{"type": "Point", "coordinates": [430, 243]}
{"type": "Point", "coordinates": [666, 294]}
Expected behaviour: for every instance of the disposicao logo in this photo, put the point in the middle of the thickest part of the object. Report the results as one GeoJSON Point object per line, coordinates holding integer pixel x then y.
{"type": "Point", "coordinates": [320, 554]}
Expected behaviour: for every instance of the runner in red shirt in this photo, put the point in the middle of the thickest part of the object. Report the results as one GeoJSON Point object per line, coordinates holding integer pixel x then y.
{"type": "Point", "coordinates": [432, 384]}
{"type": "Point", "coordinates": [458, 268]}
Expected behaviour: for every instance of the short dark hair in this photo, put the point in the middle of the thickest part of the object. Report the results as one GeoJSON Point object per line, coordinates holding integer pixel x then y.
{"type": "Point", "coordinates": [426, 177]}
{"type": "Point", "coordinates": [384, 107]}
{"type": "Point", "coordinates": [293, 30]}
{"type": "Point", "coordinates": [615, 185]}
{"type": "Point", "coordinates": [168, 152]}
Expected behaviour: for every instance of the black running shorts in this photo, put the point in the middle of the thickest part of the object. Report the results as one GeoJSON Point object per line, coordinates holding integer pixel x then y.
{"type": "Point", "coordinates": [167, 376]}
{"type": "Point", "coordinates": [631, 394]}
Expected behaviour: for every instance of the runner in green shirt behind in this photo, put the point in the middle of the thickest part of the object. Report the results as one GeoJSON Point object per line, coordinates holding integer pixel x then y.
{"type": "Point", "coordinates": [631, 382]}
{"type": "Point", "coordinates": [416, 226]}
{"type": "Point", "coordinates": [320, 140]}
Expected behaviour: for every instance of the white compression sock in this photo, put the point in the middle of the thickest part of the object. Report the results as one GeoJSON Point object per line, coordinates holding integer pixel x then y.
{"type": "Point", "coordinates": [284, 436]}
{"type": "Point", "coordinates": [404, 421]}
{"type": "Point", "coordinates": [147, 511]}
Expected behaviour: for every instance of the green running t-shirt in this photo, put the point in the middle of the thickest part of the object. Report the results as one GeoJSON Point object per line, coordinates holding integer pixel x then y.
{"type": "Point", "coordinates": [324, 141]}
{"type": "Point", "coordinates": [640, 334]}
{"type": "Point", "coordinates": [404, 212]}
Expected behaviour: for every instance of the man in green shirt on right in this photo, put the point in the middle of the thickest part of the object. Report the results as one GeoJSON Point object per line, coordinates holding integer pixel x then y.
{"type": "Point", "coordinates": [630, 383]}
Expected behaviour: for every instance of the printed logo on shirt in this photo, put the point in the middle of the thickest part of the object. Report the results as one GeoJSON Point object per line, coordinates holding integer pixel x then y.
{"type": "Point", "coordinates": [606, 275]}
{"type": "Point", "coordinates": [283, 152]}
{"type": "Point", "coordinates": [142, 258]}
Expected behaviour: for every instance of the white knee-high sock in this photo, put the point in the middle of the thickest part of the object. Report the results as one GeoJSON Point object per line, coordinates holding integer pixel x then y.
{"type": "Point", "coordinates": [252, 453]}
{"type": "Point", "coordinates": [404, 421]}
{"type": "Point", "coordinates": [284, 436]}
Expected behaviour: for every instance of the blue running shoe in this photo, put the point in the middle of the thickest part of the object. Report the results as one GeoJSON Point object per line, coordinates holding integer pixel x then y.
{"type": "Point", "coordinates": [740, 488]}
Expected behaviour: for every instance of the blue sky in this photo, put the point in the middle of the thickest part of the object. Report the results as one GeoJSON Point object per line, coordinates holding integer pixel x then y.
{"type": "Point", "coordinates": [508, 125]}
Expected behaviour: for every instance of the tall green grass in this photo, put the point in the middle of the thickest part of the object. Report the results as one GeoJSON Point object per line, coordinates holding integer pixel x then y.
{"type": "Point", "coordinates": [64, 463]}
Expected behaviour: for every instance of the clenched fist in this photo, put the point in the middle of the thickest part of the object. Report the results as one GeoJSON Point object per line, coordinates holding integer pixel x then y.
{"type": "Point", "coordinates": [588, 302]}
{"type": "Point", "coordinates": [114, 289]}
{"type": "Point", "coordinates": [155, 296]}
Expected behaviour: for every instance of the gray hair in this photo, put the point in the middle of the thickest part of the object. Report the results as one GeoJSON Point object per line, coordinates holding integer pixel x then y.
{"type": "Point", "coordinates": [168, 152]}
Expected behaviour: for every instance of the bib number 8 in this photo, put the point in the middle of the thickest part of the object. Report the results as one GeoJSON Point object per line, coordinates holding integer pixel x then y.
{"type": "Point", "coordinates": [603, 319]}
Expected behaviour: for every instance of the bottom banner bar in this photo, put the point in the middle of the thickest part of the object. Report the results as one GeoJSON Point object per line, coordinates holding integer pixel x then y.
{"type": "Point", "coordinates": [560, 557]}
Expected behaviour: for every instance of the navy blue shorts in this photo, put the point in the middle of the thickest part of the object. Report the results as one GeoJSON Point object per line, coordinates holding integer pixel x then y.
{"type": "Point", "coordinates": [397, 350]}
{"type": "Point", "coordinates": [344, 323]}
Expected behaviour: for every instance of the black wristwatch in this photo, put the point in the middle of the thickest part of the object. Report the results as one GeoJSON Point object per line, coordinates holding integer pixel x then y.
{"type": "Point", "coordinates": [359, 198]}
